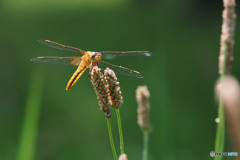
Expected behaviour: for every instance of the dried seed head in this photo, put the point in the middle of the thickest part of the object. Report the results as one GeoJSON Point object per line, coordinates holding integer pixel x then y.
{"type": "Point", "coordinates": [115, 94]}
{"type": "Point", "coordinates": [100, 89]}
{"type": "Point", "coordinates": [228, 90]}
{"type": "Point", "coordinates": [142, 95]}
{"type": "Point", "coordinates": [228, 29]}
{"type": "Point", "coordinates": [122, 157]}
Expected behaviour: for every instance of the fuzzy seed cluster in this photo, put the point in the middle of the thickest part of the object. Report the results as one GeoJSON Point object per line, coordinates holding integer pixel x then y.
{"type": "Point", "coordinates": [142, 96]}
{"type": "Point", "coordinates": [227, 36]}
{"type": "Point", "coordinates": [115, 94]}
{"type": "Point", "coordinates": [107, 89]}
{"type": "Point", "coordinates": [101, 90]}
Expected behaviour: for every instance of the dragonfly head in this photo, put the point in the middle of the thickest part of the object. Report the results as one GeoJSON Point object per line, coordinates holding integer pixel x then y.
{"type": "Point", "coordinates": [96, 56]}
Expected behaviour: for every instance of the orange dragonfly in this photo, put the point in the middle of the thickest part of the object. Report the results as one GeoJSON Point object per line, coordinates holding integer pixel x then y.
{"type": "Point", "coordinates": [88, 60]}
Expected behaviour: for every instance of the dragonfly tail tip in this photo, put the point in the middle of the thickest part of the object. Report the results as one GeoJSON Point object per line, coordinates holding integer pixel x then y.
{"type": "Point", "coordinates": [148, 54]}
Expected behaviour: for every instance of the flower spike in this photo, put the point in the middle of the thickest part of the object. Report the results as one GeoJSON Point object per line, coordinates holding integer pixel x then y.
{"type": "Point", "coordinates": [115, 94]}
{"type": "Point", "coordinates": [142, 96]}
{"type": "Point", "coordinates": [101, 90]}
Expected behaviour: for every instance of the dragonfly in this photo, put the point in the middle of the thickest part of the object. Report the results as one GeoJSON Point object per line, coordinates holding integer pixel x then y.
{"type": "Point", "coordinates": [88, 59]}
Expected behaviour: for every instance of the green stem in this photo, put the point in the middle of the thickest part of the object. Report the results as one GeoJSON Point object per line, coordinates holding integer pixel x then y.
{"type": "Point", "coordinates": [30, 123]}
{"type": "Point", "coordinates": [111, 138]}
{"type": "Point", "coordinates": [120, 130]}
{"type": "Point", "coordinates": [145, 144]}
{"type": "Point", "coordinates": [220, 134]}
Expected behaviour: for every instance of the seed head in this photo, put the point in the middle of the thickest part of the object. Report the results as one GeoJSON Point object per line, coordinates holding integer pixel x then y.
{"type": "Point", "coordinates": [115, 94]}
{"type": "Point", "coordinates": [228, 90]}
{"type": "Point", "coordinates": [122, 157]}
{"type": "Point", "coordinates": [227, 36]}
{"type": "Point", "coordinates": [142, 96]}
{"type": "Point", "coordinates": [101, 90]}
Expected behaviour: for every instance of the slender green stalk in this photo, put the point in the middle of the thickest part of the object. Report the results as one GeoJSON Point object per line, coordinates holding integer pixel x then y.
{"type": "Point", "coordinates": [220, 134]}
{"type": "Point", "coordinates": [30, 123]}
{"type": "Point", "coordinates": [145, 144]}
{"type": "Point", "coordinates": [120, 130]}
{"type": "Point", "coordinates": [111, 138]}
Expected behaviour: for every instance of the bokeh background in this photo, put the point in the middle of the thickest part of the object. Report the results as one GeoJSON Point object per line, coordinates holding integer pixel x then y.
{"type": "Point", "coordinates": [184, 37]}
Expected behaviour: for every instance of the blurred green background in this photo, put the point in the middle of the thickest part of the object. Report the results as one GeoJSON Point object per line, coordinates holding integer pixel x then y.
{"type": "Point", "coordinates": [184, 37]}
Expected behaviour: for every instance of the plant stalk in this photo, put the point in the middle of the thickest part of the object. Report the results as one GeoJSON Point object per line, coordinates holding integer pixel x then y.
{"type": "Point", "coordinates": [220, 134]}
{"type": "Point", "coordinates": [28, 137]}
{"type": "Point", "coordinates": [120, 130]}
{"type": "Point", "coordinates": [111, 138]}
{"type": "Point", "coordinates": [145, 144]}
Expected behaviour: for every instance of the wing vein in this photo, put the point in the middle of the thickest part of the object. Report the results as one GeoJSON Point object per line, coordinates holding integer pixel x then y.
{"type": "Point", "coordinates": [59, 46]}
{"type": "Point", "coordinates": [119, 70]}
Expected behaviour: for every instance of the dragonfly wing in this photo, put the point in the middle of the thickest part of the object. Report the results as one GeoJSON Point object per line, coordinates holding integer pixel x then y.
{"type": "Point", "coordinates": [119, 70]}
{"type": "Point", "coordinates": [60, 46]}
{"type": "Point", "coordinates": [126, 53]}
{"type": "Point", "coordinates": [58, 60]}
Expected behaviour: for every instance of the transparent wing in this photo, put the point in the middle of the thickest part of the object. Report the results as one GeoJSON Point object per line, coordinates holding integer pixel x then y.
{"type": "Point", "coordinates": [58, 60]}
{"type": "Point", "coordinates": [60, 46]}
{"type": "Point", "coordinates": [119, 70]}
{"type": "Point", "coordinates": [126, 53]}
